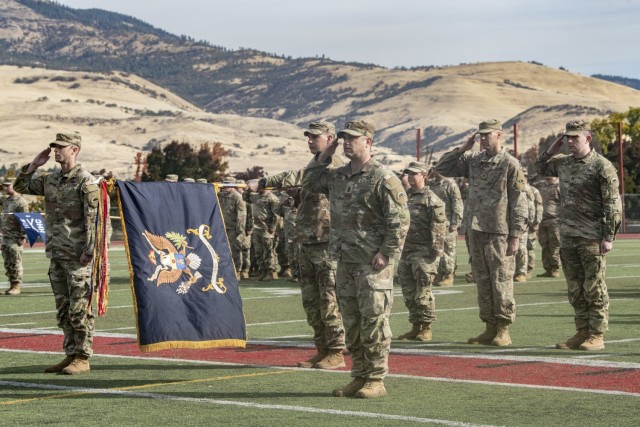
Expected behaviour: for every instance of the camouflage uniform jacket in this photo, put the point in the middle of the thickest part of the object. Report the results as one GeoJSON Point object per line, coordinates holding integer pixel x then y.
{"type": "Point", "coordinates": [496, 202]}
{"type": "Point", "coordinates": [368, 210]}
{"type": "Point", "coordinates": [266, 212]}
{"type": "Point", "coordinates": [11, 229]}
{"type": "Point", "coordinates": [447, 190]}
{"type": "Point", "coordinates": [428, 224]}
{"type": "Point", "coordinates": [531, 205]}
{"type": "Point", "coordinates": [313, 223]}
{"type": "Point", "coordinates": [590, 205]}
{"type": "Point", "coordinates": [71, 202]}
{"type": "Point", "coordinates": [234, 211]}
{"type": "Point", "coordinates": [550, 194]}
{"type": "Point", "coordinates": [537, 204]}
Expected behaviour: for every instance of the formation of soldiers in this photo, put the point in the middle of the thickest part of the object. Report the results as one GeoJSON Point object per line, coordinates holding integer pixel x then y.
{"type": "Point", "coordinates": [349, 231]}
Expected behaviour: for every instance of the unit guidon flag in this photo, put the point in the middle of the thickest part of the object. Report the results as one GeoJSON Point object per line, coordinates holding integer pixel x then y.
{"type": "Point", "coordinates": [183, 279]}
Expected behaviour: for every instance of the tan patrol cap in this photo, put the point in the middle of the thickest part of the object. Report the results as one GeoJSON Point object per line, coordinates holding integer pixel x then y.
{"type": "Point", "coordinates": [320, 127]}
{"type": "Point", "coordinates": [65, 139]}
{"type": "Point", "coordinates": [357, 128]}
{"type": "Point", "coordinates": [417, 167]}
{"type": "Point", "coordinates": [489, 126]}
{"type": "Point", "coordinates": [575, 127]}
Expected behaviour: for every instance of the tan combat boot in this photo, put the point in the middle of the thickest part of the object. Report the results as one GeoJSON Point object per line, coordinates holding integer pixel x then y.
{"type": "Point", "coordinates": [350, 389]}
{"type": "Point", "coordinates": [333, 360]}
{"type": "Point", "coordinates": [520, 277]}
{"type": "Point", "coordinates": [271, 275]}
{"type": "Point", "coordinates": [411, 335]}
{"type": "Point", "coordinates": [244, 274]}
{"type": "Point", "coordinates": [58, 367]}
{"type": "Point", "coordinates": [575, 341]}
{"type": "Point", "coordinates": [555, 273]}
{"type": "Point", "coordinates": [469, 277]}
{"type": "Point", "coordinates": [446, 280]}
{"type": "Point", "coordinates": [287, 273]}
{"type": "Point", "coordinates": [425, 333]}
{"type": "Point", "coordinates": [502, 338]}
{"type": "Point", "coordinates": [14, 289]}
{"type": "Point", "coordinates": [594, 342]}
{"type": "Point", "coordinates": [80, 365]}
{"type": "Point", "coordinates": [486, 337]}
{"type": "Point", "coordinates": [372, 389]}
{"type": "Point", "coordinates": [310, 363]}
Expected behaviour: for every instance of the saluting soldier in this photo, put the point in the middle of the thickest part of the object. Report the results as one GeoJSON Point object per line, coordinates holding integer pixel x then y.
{"type": "Point", "coordinates": [71, 202]}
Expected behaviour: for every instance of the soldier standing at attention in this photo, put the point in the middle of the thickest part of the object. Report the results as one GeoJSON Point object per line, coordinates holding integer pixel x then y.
{"type": "Point", "coordinates": [421, 254]}
{"type": "Point", "coordinates": [245, 241]}
{"type": "Point", "coordinates": [549, 230]}
{"type": "Point", "coordinates": [13, 236]}
{"type": "Point", "coordinates": [263, 237]}
{"type": "Point", "coordinates": [234, 213]}
{"type": "Point", "coordinates": [71, 201]}
{"type": "Point", "coordinates": [317, 266]}
{"type": "Point", "coordinates": [521, 273]}
{"type": "Point", "coordinates": [447, 190]}
{"type": "Point", "coordinates": [590, 215]}
{"type": "Point", "coordinates": [369, 222]}
{"type": "Point", "coordinates": [496, 218]}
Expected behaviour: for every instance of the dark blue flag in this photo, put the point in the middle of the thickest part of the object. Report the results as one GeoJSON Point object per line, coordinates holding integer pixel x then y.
{"type": "Point", "coordinates": [184, 282]}
{"type": "Point", "coordinates": [33, 225]}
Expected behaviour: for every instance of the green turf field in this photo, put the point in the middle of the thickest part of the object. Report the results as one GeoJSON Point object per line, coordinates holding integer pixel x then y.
{"type": "Point", "coordinates": [130, 391]}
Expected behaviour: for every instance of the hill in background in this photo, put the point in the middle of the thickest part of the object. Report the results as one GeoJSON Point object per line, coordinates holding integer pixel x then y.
{"type": "Point", "coordinates": [445, 102]}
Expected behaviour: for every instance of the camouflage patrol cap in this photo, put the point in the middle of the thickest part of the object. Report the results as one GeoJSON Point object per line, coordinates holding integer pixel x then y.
{"type": "Point", "coordinates": [357, 128]}
{"type": "Point", "coordinates": [575, 127]}
{"type": "Point", "coordinates": [240, 181]}
{"type": "Point", "coordinates": [320, 127]}
{"type": "Point", "coordinates": [524, 171]}
{"type": "Point", "coordinates": [489, 126]}
{"type": "Point", "coordinates": [66, 139]}
{"type": "Point", "coordinates": [189, 180]}
{"type": "Point", "coordinates": [8, 181]}
{"type": "Point", "coordinates": [229, 180]}
{"type": "Point", "coordinates": [417, 167]}
{"type": "Point", "coordinates": [201, 180]}
{"type": "Point", "coordinates": [171, 178]}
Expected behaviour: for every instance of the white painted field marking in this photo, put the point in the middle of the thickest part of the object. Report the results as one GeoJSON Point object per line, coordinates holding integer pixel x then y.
{"type": "Point", "coordinates": [328, 372]}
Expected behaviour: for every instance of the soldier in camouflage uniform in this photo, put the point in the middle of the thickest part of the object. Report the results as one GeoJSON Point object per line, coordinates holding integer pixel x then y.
{"type": "Point", "coordinates": [369, 222]}
{"type": "Point", "coordinates": [234, 213]}
{"type": "Point", "coordinates": [71, 201]}
{"type": "Point", "coordinates": [590, 215]}
{"type": "Point", "coordinates": [421, 254]}
{"type": "Point", "coordinates": [496, 218]}
{"type": "Point", "coordinates": [317, 266]}
{"type": "Point", "coordinates": [13, 236]}
{"type": "Point", "coordinates": [245, 241]}
{"type": "Point", "coordinates": [289, 211]}
{"type": "Point", "coordinates": [447, 190]}
{"type": "Point", "coordinates": [263, 237]}
{"type": "Point", "coordinates": [525, 257]}
{"type": "Point", "coordinates": [549, 230]}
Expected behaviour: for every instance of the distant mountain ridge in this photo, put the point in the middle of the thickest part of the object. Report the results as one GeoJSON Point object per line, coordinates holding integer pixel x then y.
{"type": "Point", "coordinates": [626, 81]}
{"type": "Point", "coordinates": [446, 102]}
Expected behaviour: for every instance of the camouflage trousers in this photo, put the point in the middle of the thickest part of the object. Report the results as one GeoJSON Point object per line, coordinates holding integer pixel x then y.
{"type": "Point", "coordinates": [493, 272]}
{"type": "Point", "coordinates": [448, 260]}
{"type": "Point", "coordinates": [584, 270]}
{"type": "Point", "coordinates": [549, 235]}
{"type": "Point", "coordinates": [264, 247]}
{"type": "Point", "coordinates": [318, 286]}
{"type": "Point", "coordinates": [71, 288]}
{"type": "Point", "coordinates": [365, 297]}
{"type": "Point", "coordinates": [416, 277]}
{"type": "Point", "coordinates": [245, 249]}
{"type": "Point", "coordinates": [12, 257]}
{"type": "Point", "coordinates": [236, 248]}
{"type": "Point", "coordinates": [522, 256]}
{"type": "Point", "coordinates": [531, 252]}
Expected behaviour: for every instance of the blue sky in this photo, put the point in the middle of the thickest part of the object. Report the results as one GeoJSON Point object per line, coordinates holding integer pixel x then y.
{"type": "Point", "coordinates": [584, 36]}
